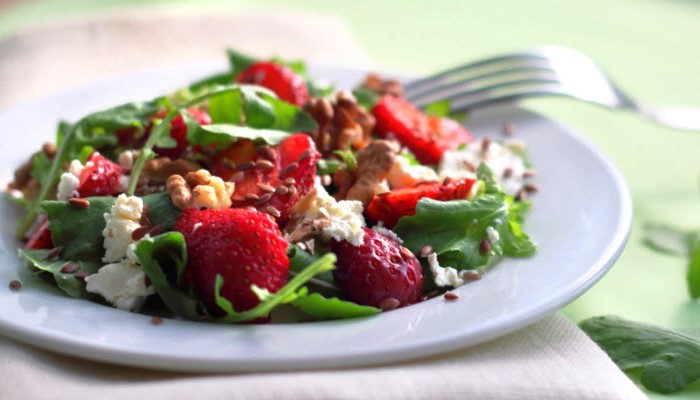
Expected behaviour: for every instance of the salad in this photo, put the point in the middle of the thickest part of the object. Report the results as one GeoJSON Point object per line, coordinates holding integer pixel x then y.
{"type": "Point", "coordinates": [259, 190]}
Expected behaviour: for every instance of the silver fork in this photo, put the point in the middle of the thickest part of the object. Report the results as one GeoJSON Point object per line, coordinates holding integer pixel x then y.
{"type": "Point", "coordinates": [544, 71]}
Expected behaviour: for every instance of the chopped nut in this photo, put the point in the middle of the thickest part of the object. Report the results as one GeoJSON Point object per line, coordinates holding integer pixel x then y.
{"type": "Point", "coordinates": [373, 165]}
{"type": "Point", "coordinates": [381, 86]}
{"type": "Point", "coordinates": [200, 190]}
{"type": "Point", "coordinates": [158, 170]}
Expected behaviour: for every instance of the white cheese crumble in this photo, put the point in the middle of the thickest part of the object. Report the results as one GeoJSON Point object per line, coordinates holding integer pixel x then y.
{"type": "Point", "coordinates": [68, 185]}
{"type": "Point", "coordinates": [122, 284]}
{"type": "Point", "coordinates": [121, 223]}
{"type": "Point", "coordinates": [345, 216]}
{"type": "Point", "coordinates": [507, 166]}
{"type": "Point", "coordinates": [443, 276]}
{"type": "Point", "coordinates": [492, 234]}
{"type": "Point", "coordinates": [386, 231]}
{"type": "Point", "coordinates": [402, 174]}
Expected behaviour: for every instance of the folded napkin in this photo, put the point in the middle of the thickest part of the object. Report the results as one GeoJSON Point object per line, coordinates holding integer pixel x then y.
{"type": "Point", "coordinates": [551, 359]}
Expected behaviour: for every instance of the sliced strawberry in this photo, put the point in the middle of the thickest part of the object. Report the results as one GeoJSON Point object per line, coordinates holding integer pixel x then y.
{"type": "Point", "coordinates": [428, 137]}
{"type": "Point", "coordinates": [271, 179]}
{"type": "Point", "coordinates": [287, 84]}
{"type": "Point", "coordinates": [40, 237]}
{"type": "Point", "coordinates": [99, 177]}
{"type": "Point", "coordinates": [390, 206]}
{"type": "Point", "coordinates": [244, 247]}
{"type": "Point", "coordinates": [379, 273]}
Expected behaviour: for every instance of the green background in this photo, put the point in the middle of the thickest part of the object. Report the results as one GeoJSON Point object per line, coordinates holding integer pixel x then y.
{"type": "Point", "coordinates": [650, 47]}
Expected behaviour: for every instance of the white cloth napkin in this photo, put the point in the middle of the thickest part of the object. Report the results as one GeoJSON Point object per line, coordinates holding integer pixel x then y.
{"type": "Point", "coordinates": [551, 359]}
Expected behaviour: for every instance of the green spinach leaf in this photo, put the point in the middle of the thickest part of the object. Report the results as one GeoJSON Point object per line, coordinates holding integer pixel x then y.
{"type": "Point", "coordinates": [66, 281]}
{"type": "Point", "coordinates": [320, 307]}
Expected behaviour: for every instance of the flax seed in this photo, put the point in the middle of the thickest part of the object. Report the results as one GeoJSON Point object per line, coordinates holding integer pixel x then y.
{"type": "Point", "coordinates": [82, 275]}
{"type": "Point", "coordinates": [228, 163]}
{"type": "Point", "coordinates": [49, 149]}
{"type": "Point", "coordinates": [77, 202]}
{"type": "Point", "coordinates": [388, 303]}
{"type": "Point", "coordinates": [431, 294]}
{"type": "Point", "coordinates": [292, 190]}
{"type": "Point", "coordinates": [244, 166]}
{"type": "Point", "coordinates": [289, 168]}
{"type": "Point", "coordinates": [264, 199]}
{"type": "Point", "coordinates": [264, 164]}
{"type": "Point", "coordinates": [156, 320]}
{"type": "Point", "coordinates": [70, 268]}
{"type": "Point", "coordinates": [272, 211]}
{"type": "Point", "coordinates": [53, 253]}
{"type": "Point", "coordinates": [507, 173]}
{"type": "Point", "coordinates": [156, 230]}
{"type": "Point", "coordinates": [530, 188]}
{"type": "Point", "coordinates": [485, 144]}
{"type": "Point", "coordinates": [252, 196]}
{"type": "Point", "coordinates": [451, 296]}
{"type": "Point", "coordinates": [282, 190]}
{"type": "Point", "coordinates": [508, 128]}
{"type": "Point", "coordinates": [138, 233]}
{"type": "Point", "coordinates": [304, 155]}
{"type": "Point", "coordinates": [266, 188]}
{"type": "Point", "coordinates": [425, 250]}
{"type": "Point", "coordinates": [470, 275]}
{"type": "Point", "coordinates": [485, 246]}
{"type": "Point", "coordinates": [237, 177]}
{"type": "Point", "coordinates": [251, 208]}
{"type": "Point", "coordinates": [447, 181]}
{"type": "Point", "coordinates": [529, 173]}
{"type": "Point", "coordinates": [290, 181]}
{"type": "Point", "coordinates": [15, 285]}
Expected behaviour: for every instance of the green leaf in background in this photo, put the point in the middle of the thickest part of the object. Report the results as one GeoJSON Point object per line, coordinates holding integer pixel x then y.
{"type": "Point", "coordinates": [668, 239]}
{"type": "Point", "coordinates": [68, 282]}
{"type": "Point", "coordinates": [164, 258]}
{"type": "Point", "coordinates": [319, 307]}
{"type": "Point", "coordinates": [239, 61]}
{"type": "Point", "coordinates": [439, 108]}
{"type": "Point", "coordinates": [670, 361]}
{"type": "Point", "coordinates": [325, 166]}
{"type": "Point", "coordinates": [693, 275]}
{"type": "Point", "coordinates": [366, 97]}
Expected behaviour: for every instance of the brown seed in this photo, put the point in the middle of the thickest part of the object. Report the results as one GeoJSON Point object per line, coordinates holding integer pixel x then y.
{"type": "Point", "coordinates": [388, 303]}
{"type": "Point", "coordinates": [272, 211]}
{"type": "Point", "coordinates": [82, 275]}
{"type": "Point", "coordinates": [245, 166]}
{"type": "Point", "coordinates": [144, 216]}
{"type": "Point", "coordinates": [507, 173]}
{"type": "Point", "coordinates": [451, 296]}
{"type": "Point", "coordinates": [237, 177]}
{"type": "Point", "coordinates": [529, 173]}
{"type": "Point", "coordinates": [485, 246]}
{"type": "Point", "coordinates": [54, 252]}
{"type": "Point", "coordinates": [15, 284]}
{"type": "Point", "coordinates": [266, 188]}
{"type": "Point", "coordinates": [304, 155]}
{"type": "Point", "coordinates": [251, 196]}
{"type": "Point", "coordinates": [289, 181]}
{"type": "Point", "coordinates": [289, 168]}
{"type": "Point", "coordinates": [264, 199]}
{"type": "Point", "coordinates": [139, 233]}
{"type": "Point", "coordinates": [469, 166]}
{"type": "Point", "coordinates": [521, 195]}
{"type": "Point", "coordinates": [70, 267]}
{"type": "Point", "coordinates": [470, 275]}
{"type": "Point", "coordinates": [508, 128]}
{"type": "Point", "coordinates": [155, 230]}
{"type": "Point", "coordinates": [447, 181]}
{"type": "Point", "coordinates": [251, 208]}
{"type": "Point", "coordinates": [485, 144]}
{"type": "Point", "coordinates": [49, 149]}
{"type": "Point", "coordinates": [282, 190]}
{"type": "Point", "coordinates": [78, 202]}
{"type": "Point", "coordinates": [531, 188]}
{"type": "Point", "coordinates": [425, 250]}
{"type": "Point", "coordinates": [431, 294]}
{"type": "Point", "coordinates": [264, 164]}
{"type": "Point", "coordinates": [268, 152]}
{"type": "Point", "coordinates": [156, 320]}
{"type": "Point", "coordinates": [292, 190]}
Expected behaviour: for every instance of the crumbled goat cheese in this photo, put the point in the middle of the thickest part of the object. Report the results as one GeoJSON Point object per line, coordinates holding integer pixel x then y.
{"type": "Point", "coordinates": [122, 284]}
{"type": "Point", "coordinates": [507, 166]}
{"type": "Point", "coordinates": [402, 174]}
{"type": "Point", "coordinates": [386, 231]}
{"type": "Point", "coordinates": [443, 276]}
{"type": "Point", "coordinates": [120, 224]}
{"type": "Point", "coordinates": [492, 234]}
{"type": "Point", "coordinates": [127, 158]}
{"type": "Point", "coordinates": [68, 185]}
{"type": "Point", "coordinates": [345, 216]}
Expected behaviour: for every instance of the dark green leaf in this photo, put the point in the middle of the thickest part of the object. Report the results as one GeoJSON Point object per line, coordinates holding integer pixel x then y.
{"type": "Point", "coordinates": [670, 361]}
{"type": "Point", "coordinates": [226, 108]}
{"type": "Point", "coordinates": [161, 210]}
{"type": "Point", "coordinates": [164, 258]}
{"type": "Point", "coordinates": [258, 111]}
{"type": "Point", "coordinates": [320, 307]}
{"type": "Point", "coordinates": [67, 282]}
{"type": "Point", "coordinates": [326, 166]}
{"type": "Point", "coordinates": [239, 61]}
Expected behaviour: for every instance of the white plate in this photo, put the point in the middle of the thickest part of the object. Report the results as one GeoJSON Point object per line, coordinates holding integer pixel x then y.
{"type": "Point", "coordinates": [580, 219]}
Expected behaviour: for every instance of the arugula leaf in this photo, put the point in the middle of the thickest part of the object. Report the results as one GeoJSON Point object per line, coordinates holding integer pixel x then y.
{"type": "Point", "coordinates": [455, 229]}
{"type": "Point", "coordinates": [348, 158]}
{"type": "Point", "coordinates": [367, 98]}
{"type": "Point", "coordinates": [320, 307]}
{"type": "Point", "coordinates": [239, 61]}
{"type": "Point", "coordinates": [79, 231]}
{"type": "Point", "coordinates": [439, 108]}
{"type": "Point", "coordinates": [325, 166]}
{"type": "Point", "coordinates": [693, 275]}
{"type": "Point", "coordinates": [670, 361]}
{"type": "Point", "coordinates": [67, 282]}
{"type": "Point", "coordinates": [288, 293]}
{"type": "Point", "coordinates": [164, 258]}
{"type": "Point", "coordinates": [225, 134]}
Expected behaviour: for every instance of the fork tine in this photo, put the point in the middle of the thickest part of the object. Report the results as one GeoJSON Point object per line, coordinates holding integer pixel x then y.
{"type": "Point", "coordinates": [507, 93]}
{"type": "Point", "coordinates": [419, 84]}
{"type": "Point", "coordinates": [449, 89]}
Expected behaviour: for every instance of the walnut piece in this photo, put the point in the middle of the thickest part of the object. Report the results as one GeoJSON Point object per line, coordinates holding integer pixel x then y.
{"type": "Point", "coordinates": [343, 124]}
{"type": "Point", "coordinates": [373, 165]}
{"type": "Point", "coordinates": [199, 189]}
{"type": "Point", "coordinates": [383, 87]}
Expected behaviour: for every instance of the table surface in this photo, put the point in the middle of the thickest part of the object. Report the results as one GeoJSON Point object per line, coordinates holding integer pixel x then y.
{"type": "Point", "coordinates": [649, 47]}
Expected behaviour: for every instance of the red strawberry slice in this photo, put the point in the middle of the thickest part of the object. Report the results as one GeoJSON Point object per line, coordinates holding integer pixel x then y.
{"type": "Point", "coordinates": [40, 238]}
{"type": "Point", "coordinates": [99, 177]}
{"type": "Point", "coordinates": [379, 273]}
{"type": "Point", "coordinates": [245, 247]}
{"type": "Point", "coordinates": [271, 179]}
{"type": "Point", "coordinates": [428, 137]}
{"type": "Point", "coordinates": [390, 206]}
{"type": "Point", "coordinates": [178, 131]}
{"type": "Point", "coordinates": [287, 84]}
